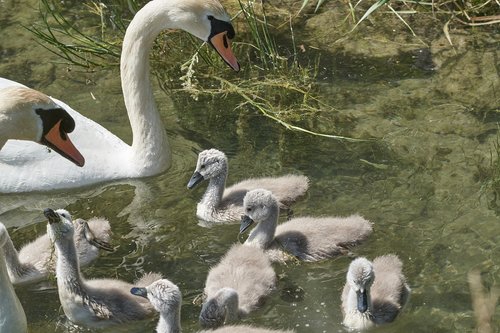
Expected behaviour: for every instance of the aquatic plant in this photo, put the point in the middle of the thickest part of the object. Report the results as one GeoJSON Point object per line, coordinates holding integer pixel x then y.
{"type": "Point", "coordinates": [275, 84]}
{"type": "Point", "coordinates": [468, 13]}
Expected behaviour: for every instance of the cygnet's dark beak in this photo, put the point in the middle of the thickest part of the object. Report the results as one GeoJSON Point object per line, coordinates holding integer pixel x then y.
{"type": "Point", "coordinates": [89, 236]}
{"type": "Point", "coordinates": [246, 222]}
{"type": "Point", "coordinates": [51, 215]}
{"type": "Point", "coordinates": [139, 292]}
{"type": "Point", "coordinates": [362, 301]}
{"type": "Point", "coordinates": [196, 178]}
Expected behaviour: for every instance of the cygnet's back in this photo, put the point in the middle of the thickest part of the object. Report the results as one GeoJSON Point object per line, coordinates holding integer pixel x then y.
{"type": "Point", "coordinates": [243, 270]}
{"type": "Point", "coordinates": [317, 238]}
{"type": "Point", "coordinates": [223, 205]}
{"type": "Point", "coordinates": [306, 238]}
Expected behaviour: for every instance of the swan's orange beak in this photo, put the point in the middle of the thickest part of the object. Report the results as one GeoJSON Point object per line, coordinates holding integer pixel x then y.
{"type": "Point", "coordinates": [60, 142]}
{"type": "Point", "coordinates": [222, 44]}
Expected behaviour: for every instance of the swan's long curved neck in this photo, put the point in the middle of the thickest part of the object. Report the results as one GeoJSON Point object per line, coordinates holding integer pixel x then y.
{"type": "Point", "coordinates": [150, 149]}
{"type": "Point", "coordinates": [169, 322]}
{"type": "Point", "coordinates": [215, 189]}
{"type": "Point", "coordinates": [263, 234]}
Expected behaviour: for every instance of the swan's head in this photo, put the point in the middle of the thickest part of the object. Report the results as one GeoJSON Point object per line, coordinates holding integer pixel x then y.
{"type": "Point", "coordinates": [258, 205]}
{"type": "Point", "coordinates": [211, 163]}
{"type": "Point", "coordinates": [206, 20]}
{"type": "Point", "coordinates": [60, 226]}
{"type": "Point", "coordinates": [83, 231]}
{"type": "Point", "coordinates": [360, 277]}
{"type": "Point", "coordinates": [220, 309]}
{"type": "Point", "coordinates": [34, 116]}
{"type": "Point", "coordinates": [164, 295]}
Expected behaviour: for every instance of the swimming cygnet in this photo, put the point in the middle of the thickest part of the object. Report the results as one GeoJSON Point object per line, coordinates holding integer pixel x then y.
{"type": "Point", "coordinates": [224, 205]}
{"type": "Point", "coordinates": [12, 317]}
{"type": "Point", "coordinates": [97, 302]}
{"type": "Point", "coordinates": [306, 238]}
{"type": "Point", "coordinates": [36, 260]}
{"type": "Point", "coordinates": [167, 298]}
{"type": "Point", "coordinates": [374, 293]}
{"type": "Point", "coordinates": [236, 286]}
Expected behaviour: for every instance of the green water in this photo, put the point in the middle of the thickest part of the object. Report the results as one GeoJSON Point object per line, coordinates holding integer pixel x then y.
{"type": "Point", "coordinates": [419, 183]}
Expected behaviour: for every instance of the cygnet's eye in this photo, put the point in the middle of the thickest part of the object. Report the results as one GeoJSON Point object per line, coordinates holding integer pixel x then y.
{"type": "Point", "coordinates": [249, 209]}
{"type": "Point", "coordinates": [202, 166]}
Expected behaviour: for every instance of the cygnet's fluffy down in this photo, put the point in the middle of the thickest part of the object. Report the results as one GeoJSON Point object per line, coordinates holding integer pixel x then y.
{"type": "Point", "coordinates": [374, 293]}
{"type": "Point", "coordinates": [225, 205]}
{"type": "Point", "coordinates": [12, 317]}
{"type": "Point", "coordinates": [166, 298]}
{"type": "Point", "coordinates": [36, 260]}
{"type": "Point", "coordinates": [306, 238]}
{"type": "Point", "coordinates": [236, 286]}
{"type": "Point", "coordinates": [97, 302]}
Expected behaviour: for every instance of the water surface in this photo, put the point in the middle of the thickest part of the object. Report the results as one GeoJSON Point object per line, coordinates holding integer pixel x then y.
{"type": "Point", "coordinates": [419, 182]}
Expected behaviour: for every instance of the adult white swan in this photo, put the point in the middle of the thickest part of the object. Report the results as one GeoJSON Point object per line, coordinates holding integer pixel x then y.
{"type": "Point", "coordinates": [26, 166]}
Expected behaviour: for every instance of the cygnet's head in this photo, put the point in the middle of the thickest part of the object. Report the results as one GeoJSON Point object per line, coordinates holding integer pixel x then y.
{"type": "Point", "coordinates": [60, 226]}
{"type": "Point", "coordinates": [220, 309]}
{"type": "Point", "coordinates": [36, 117]}
{"type": "Point", "coordinates": [211, 163]}
{"type": "Point", "coordinates": [360, 277]}
{"type": "Point", "coordinates": [206, 20]}
{"type": "Point", "coordinates": [82, 229]}
{"type": "Point", "coordinates": [258, 205]}
{"type": "Point", "coordinates": [164, 295]}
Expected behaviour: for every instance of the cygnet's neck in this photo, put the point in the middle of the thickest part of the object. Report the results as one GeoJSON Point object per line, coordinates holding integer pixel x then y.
{"type": "Point", "coordinates": [14, 265]}
{"type": "Point", "coordinates": [68, 267]}
{"type": "Point", "coordinates": [169, 322]}
{"type": "Point", "coordinates": [215, 190]}
{"type": "Point", "coordinates": [12, 315]}
{"type": "Point", "coordinates": [263, 234]}
{"type": "Point", "coordinates": [150, 149]}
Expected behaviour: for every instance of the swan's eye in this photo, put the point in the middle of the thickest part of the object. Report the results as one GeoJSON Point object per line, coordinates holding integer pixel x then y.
{"type": "Point", "coordinates": [210, 17]}
{"type": "Point", "coordinates": [224, 39]}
